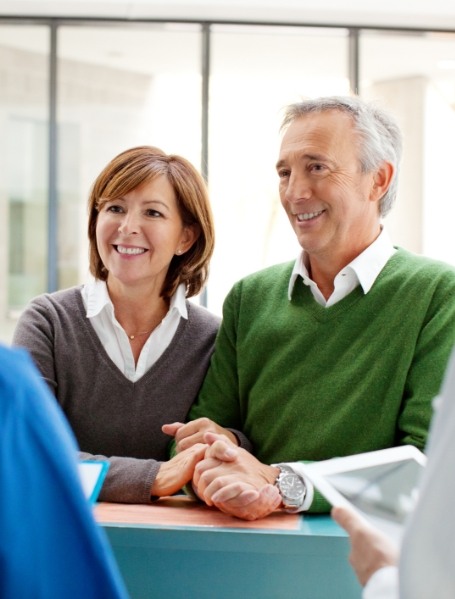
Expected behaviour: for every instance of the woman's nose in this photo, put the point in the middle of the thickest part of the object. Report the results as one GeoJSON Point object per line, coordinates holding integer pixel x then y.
{"type": "Point", "coordinates": [129, 225]}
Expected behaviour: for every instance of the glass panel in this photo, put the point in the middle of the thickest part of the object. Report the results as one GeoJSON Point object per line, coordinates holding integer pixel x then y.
{"type": "Point", "coordinates": [119, 87]}
{"type": "Point", "coordinates": [24, 59]}
{"type": "Point", "coordinates": [255, 72]}
{"type": "Point", "coordinates": [414, 76]}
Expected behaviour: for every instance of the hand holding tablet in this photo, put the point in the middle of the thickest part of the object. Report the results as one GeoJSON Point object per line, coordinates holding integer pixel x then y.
{"type": "Point", "coordinates": [382, 485]}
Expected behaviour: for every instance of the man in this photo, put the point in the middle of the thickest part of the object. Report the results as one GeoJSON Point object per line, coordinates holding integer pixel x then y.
{"type": "Point", "coordinates": [428, 551]}
{"type": "Point", "coordinates": [339, 353]}
{"type": "Point", "coordinates": [50, 545]}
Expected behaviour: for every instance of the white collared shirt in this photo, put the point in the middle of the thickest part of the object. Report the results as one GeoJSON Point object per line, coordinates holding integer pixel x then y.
{"type": "Point", "coordinates": [363, 271]}
{"type": "Point", "coordinates": [100, 311]}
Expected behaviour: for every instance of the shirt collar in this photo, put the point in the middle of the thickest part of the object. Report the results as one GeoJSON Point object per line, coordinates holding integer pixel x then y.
{"type": "Point", "coordinates": [178, 301]}
{"type": "Point", "coordinates": [97, 299]}
{"type": "Point", "coordinates": [366, 266]}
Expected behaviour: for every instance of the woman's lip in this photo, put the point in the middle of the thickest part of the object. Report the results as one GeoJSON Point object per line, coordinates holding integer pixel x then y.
{"type": "Point", "coordinates": [130, 250]}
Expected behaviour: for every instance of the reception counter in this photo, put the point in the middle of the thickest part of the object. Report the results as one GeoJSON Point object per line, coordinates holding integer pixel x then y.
{"type": "Point", "coordinates": [178, 548]}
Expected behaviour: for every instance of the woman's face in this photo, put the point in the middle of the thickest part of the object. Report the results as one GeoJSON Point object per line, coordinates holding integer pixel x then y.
{"type": "Point", "coordinates": [138, 234]}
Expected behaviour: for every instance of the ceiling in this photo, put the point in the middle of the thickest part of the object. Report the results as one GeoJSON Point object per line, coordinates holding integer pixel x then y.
{"type": "Point", "coordinates": [388, 56]}
{"type": "Point", "coordinates": [437, 14]}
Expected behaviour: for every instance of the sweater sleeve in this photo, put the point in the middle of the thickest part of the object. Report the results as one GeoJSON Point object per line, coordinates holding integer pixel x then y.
{"type": "Point", "coordinates": [218, 398]}
{"type": "Point", "coordinates": [128, 480]}
{"type": "Point", "coordinates": [432, 351]}
{"type": "Point", "coordinates": [35, 332]}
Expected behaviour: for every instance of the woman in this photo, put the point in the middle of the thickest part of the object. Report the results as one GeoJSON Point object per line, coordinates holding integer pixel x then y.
{"type": "Point", "coordinates": [127, 352]}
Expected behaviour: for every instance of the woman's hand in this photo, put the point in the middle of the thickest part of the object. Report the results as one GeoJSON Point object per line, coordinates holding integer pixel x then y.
{"type": "Point", "coordinates": [191, 433]}
{"type": "Point", "coordinates": [178, 471]}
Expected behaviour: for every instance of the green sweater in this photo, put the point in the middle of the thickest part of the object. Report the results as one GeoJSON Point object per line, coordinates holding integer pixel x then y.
{"type": "Point", "coordinates": [306, 382]}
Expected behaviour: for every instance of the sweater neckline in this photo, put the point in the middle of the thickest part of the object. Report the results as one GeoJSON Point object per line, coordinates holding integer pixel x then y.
{"type": "Point", "coordinates": [302, 294]}
{"type": "Point", "coordinates": [103, 355]}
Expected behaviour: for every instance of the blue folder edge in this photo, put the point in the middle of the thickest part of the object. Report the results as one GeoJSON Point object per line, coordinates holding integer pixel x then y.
{"type": "Point", "coordinates": [92, 473]}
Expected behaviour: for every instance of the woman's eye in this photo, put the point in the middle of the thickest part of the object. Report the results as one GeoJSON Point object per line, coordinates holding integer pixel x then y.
{"type": "Point", "coordinates": [114, 208]}
{"type": "Point", "coordinates": [153, 213]}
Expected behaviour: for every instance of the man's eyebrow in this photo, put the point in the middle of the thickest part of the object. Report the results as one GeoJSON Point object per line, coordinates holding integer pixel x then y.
{"type": "Point", "coordinates": [282, 162]}
{"type": "Point", "coordinates": [320, 157]}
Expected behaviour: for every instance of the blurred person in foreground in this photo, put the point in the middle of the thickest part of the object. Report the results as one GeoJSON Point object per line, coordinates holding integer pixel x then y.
{"type": "Point", "coordinates": [424, 566]}
{"type": "Point", "coordinates": [50, 544]}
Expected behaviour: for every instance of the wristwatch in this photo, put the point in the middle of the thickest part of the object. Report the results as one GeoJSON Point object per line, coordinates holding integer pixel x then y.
{"type": "Point", "coordinates": [292, 488]}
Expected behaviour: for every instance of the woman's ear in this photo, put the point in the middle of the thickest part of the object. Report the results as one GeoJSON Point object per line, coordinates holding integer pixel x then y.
{"type": "Point", "coordinates": [189, 235]}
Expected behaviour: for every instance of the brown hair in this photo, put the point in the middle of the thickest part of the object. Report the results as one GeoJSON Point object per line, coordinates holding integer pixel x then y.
{"type": "Point", "coordinates": [142, 164]}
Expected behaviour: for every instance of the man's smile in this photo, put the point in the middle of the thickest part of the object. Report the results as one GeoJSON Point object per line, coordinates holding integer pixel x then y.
{"type": "Point", "coordinates": [308, 215]}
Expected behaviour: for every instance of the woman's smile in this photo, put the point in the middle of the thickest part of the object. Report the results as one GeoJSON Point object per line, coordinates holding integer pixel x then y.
{"type": "Point", "coordinates": [130, 251]}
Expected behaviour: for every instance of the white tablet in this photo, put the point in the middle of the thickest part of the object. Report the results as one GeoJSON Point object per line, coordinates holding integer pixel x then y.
{"type": "Point", "coordinates": [92, 474]}
{"type": "Point", "coordinates": [382, 485]}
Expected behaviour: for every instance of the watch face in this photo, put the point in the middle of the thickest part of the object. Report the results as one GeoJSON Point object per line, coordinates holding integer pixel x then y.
{"type": "Point", "coordinates": [292, 486]}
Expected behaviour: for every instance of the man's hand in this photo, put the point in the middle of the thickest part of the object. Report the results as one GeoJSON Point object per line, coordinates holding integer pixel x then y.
{"type": "Point", "coordinates": [234, 481]}
{"type": "Point", "coordinates": [187, 435]}
{"type": "Point", "coordinates": [177, 472]}
{"type": "Point", "coordinates": [370, 548]}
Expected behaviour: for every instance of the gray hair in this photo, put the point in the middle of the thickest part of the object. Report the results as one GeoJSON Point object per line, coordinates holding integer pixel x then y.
{"type": "Point", "coordinates": [379, 133]}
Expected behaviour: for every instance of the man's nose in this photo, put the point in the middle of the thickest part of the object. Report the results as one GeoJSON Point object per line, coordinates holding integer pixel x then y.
{"type": "Point", "coordinates": [298, 188]}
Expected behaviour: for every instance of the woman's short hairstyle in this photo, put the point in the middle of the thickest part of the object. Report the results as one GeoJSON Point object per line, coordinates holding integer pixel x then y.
{"type": "Point", "coordinates": [380, 136]}
{"type": "Point", "coordinates": [140, 165]}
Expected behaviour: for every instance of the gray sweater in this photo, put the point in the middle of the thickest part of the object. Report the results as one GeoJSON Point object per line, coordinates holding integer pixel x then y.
{"type": "Point", "coordinates": [110, 415]}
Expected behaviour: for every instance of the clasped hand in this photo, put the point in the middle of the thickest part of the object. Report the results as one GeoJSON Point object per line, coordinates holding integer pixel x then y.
{"type": "Point", "coordinates": [227, 476]}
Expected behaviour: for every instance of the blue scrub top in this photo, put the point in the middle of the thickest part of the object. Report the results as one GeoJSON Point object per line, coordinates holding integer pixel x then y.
{"type": "Point", "coordinates": [50, 545]}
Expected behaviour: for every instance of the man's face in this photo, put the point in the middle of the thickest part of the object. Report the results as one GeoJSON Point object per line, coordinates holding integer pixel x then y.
{"type": "Point", "coordinates": [330, 203]}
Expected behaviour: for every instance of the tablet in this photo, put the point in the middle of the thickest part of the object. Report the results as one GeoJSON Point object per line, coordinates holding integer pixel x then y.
{"type": "Point", "coordinates": [92, 474]}
{"type": "Point", "coordinates": [382, 485]}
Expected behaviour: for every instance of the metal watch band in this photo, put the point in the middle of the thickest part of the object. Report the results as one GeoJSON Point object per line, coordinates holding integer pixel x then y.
{"type": "Point", "coordinates": [291, 503]}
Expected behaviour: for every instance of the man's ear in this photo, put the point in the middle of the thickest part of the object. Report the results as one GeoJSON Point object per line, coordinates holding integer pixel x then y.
{"type": "Point", "coordinates": [381, 181]}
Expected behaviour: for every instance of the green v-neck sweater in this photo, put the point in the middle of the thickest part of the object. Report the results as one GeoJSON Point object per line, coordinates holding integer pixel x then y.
{"type": "Point", "coordinates": [306, 382]}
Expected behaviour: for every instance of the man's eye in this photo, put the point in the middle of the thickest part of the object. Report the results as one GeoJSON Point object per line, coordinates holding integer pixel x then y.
{"type": "Point", "coordinates": [283, 174]}
{"type": "Point", "coordinates": [317, 168]}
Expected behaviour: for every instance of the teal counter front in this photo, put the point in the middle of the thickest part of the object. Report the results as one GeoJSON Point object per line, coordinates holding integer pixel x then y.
{"type": "Point", "coordinates": [180, 549]}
